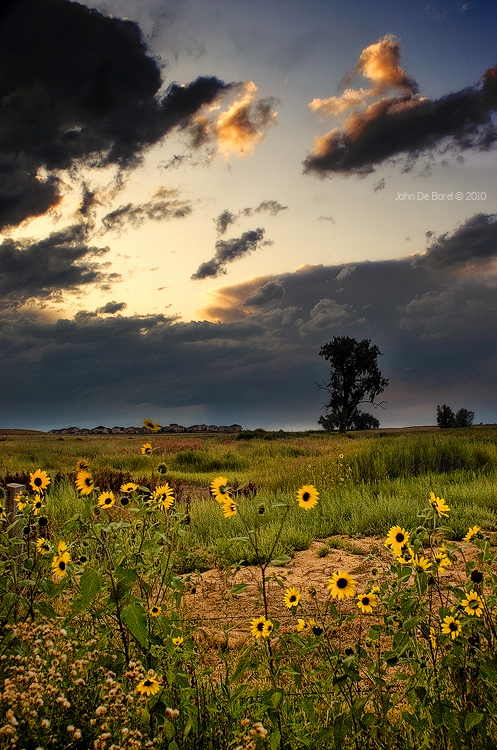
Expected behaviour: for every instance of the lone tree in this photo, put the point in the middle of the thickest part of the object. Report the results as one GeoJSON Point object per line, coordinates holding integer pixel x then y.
{"type": "Point", "coordinates": [354, 379]}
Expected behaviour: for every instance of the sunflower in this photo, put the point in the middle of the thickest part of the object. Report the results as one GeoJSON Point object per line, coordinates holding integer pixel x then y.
{"type": "Point", "coordinates": [39, 480]}
{"type": "Point", "coordinates": [37, 505]}
{"type": "Point", "coordinates": [229, 509]}
{"type": "Point", "coordinates": [106, 499]}
{"type": "Point", "coordinates": [22, 500]}
{"type": "Point", "coordinates": [178, 641]}
{"type": "Point", "coordinates": [146, 449]}
{"type": "Point", "coordinates": [84, 482]}
{"type": "Point", "coordinates": [59, 565]}
{"type": "Point", "coordinates": [396, 539]}
{"type": "Point", "coordinates": [366, 602]}
{"type": "Point", "coordinates": [81, 464]}
{"type": "Point", "coordinates": [473, 604]}
{"type": "Point", "coordinates": [43, 546]}
{"type": "Point", "coordinates": [439, 505]}
{"type": "Point", "coordinates": [341, 585]}
{"type": "Point", "coordinates": [300, 625]}
{"type": "Point", "coordinates": [421, 564]}
{"type": "Point", "coordinates": [151, 426]}
{"type": "Point", "coordinates": [128, 487]}
{"type": "Point", "coordinates": [473, 531]}
{"type": "Point", "coordinates": [268, 628]}
{"type": "Point", "coordinates": [442, 559]}
{"type": "Point", "coordinates": [3, 514]}
{"type": "Point", "coordinates": [163, 495]}
{"type": "Point", "coordinates": [155, 611]}
{"type": "Point", "coordinates": [291, 598]}
{"type": "Point", "coordinates": [150, 685]}
{"type": "Point", "coordinates": [259, 627]}
{"type": "Point", "coordinates": [451, 627]}
{"type": "Point", "coordinates": [220, 490]}
{"type": "Point", "coordinates": [307, 496]}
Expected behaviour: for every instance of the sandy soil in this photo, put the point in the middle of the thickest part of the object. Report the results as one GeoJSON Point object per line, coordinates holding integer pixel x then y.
{"type": "Point", "coordinates": [223, 619]}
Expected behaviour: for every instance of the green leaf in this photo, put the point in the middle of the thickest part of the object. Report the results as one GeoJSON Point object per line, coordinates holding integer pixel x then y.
{"type": "Point", "coordinates": [472, 720]}
{"type": "Point", "coordinates": [135, 619]}
{"type": "Point", "coordinates": [238, 588]}
{"type": "Point", "coordinates": [274, 740]}
{"type": "Point", "coordinates": [281, 560]}
{"type": "Point", "coordinates": [91, 585]}
{"type": "Point", "coordinates": [239, 539]}
{"type": "Point", "coordinates": [45, 609]}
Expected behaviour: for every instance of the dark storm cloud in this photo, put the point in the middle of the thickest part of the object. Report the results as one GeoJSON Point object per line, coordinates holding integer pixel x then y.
{"type": "Point", "coordinates": [228, 251]}
{"type": "Point", "coordinates": [474, 241]}
{"type": "Point", "coordinates": [273, 290]}
{"type": "Point", "coordinates": [61, 262]}
{"type": "Point", "coordinates": [77, 88]}
{"type": "Point", "coordinates": [435, 323]}
{"type": "Point", "coordinates": [164, 205]}
{"type": "Point", "coordinates": [409, 126]}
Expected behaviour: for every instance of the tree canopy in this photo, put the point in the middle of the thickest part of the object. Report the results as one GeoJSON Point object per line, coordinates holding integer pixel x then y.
{"type": "Point", "coordinates": [354, 379]}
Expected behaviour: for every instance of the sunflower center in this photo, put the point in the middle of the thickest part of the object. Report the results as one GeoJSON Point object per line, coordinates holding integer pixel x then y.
{"type": "Point", "coordinates": [365, 600]}
{"type": "Point", "coordinates": [108, 500]}
{"type": "Point", "coordinates": [293, 598]}
{"type": "Point", "coordinates": [453, 626]}
{"type": "Point", "coordinates": [37, 481]}
{"type": "Point", "coordinates": [342, 583]}
{"type": "Point", "coordinates": [260, 626]}
{"type": "Point", "coordinates": [306, 497]}
{"type": "Point", "coordinates": [62, 565]}
{"type": "Point", "coordinates": [147, 683]}
{"type": "Point", "coordinates": [399, 537]}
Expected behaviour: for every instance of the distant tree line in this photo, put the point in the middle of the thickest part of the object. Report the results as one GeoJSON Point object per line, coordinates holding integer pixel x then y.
{"type": "Point", "coordinates": [446, 417]}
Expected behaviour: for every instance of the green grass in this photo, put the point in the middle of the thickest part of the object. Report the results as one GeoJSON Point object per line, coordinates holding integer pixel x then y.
{"type": "Point", "coordinates": [366, 484]}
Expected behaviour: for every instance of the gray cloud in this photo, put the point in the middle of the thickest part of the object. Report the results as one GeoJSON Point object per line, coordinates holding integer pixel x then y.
{"type": "Point", "coordinates": [78, 88]}
{"type": "Point", "coordinates": [409, 126]}
{"type": "Point", "coordinates": [474, 241]}
{"type": "Point", "coordinates": [436, 325]}
{"type": "Point", "coordinates": [63, 261]}
{"type": "Point", "coordinates": [273, 290]}
{"type": "Point", "coordinates": [228, 251]}
{"type": "Point", "coordinates": [226, 218]}
{"type": "Point", "coordinates": [112, 307]}
{"type": "Point", "coordinates": [164, 205]}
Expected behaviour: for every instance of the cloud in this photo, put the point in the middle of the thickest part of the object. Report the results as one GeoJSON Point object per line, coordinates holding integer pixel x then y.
{"type": "Point", "coordinates": [61, 262]}
{"type": "Point", "coordinates": [227, 218]}
{"type": "Point", "coordinates": [383, 125]}
{"type": "Point", "coordinates": [237, 130]}
{"type": "Point", "coordinates": [258, 354]}
{"type": "Point", "coordinates": [228, 251]}
{"type": "Point", "coordinates": [224, 220]}
{"type": "Point", "coordinates": [272, 207]}
{"type": "Point", "coordinates": [111, 308]}
{"type": "Point", "coordinates": [78, 89]}
{"type": "Point", "coordinates": [164, 205]}
{"type": "Point", "coordinates": [273, 290]}
{"type": "Point", "coordinates": [475, 241]}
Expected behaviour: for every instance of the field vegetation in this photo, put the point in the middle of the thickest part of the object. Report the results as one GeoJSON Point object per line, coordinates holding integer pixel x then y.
{"type": "Point", "coordinates": [99, 649]}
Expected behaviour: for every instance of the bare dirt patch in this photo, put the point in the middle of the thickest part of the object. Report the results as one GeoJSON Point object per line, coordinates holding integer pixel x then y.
{"type": "Point", "coordinates": [223, 619]}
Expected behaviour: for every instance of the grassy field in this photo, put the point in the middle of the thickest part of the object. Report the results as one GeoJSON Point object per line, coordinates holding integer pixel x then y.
{"type": "Point", "coordinates": [103, 644]}
{"type": "Point", "coordinates": [367, 482]}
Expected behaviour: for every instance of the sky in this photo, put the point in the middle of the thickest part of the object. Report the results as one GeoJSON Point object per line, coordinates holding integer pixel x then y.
{"type": "Point", "coordinates": [197, 195]}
